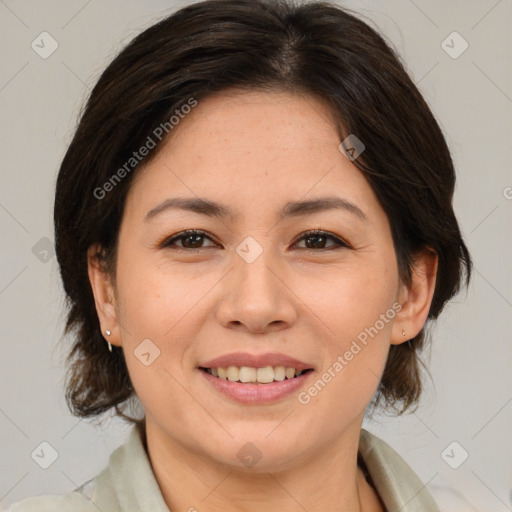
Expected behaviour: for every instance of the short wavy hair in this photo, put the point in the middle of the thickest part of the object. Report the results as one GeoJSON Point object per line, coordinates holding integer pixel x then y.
{"type": "Point", "coordinates": [315, 48]}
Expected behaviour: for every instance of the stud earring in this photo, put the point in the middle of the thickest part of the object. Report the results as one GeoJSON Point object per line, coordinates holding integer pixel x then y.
{"type": "Point", "coordinates": [108, 333]}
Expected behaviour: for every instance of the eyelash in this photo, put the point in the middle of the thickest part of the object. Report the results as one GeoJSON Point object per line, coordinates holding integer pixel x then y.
{"type": "Point", "coordinates": [168, 242]}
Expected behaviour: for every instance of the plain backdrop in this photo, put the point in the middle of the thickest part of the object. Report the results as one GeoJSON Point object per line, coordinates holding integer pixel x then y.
{"type": "Point", "coordinates": [466, 409]}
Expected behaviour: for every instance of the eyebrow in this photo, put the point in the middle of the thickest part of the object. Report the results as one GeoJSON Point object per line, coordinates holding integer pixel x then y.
{"type": "Point", "coordinates": [221, 211]}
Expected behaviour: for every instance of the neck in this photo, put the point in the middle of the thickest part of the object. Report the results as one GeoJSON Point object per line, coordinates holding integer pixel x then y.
{"type": "Point", "coordinates": [327, 480]}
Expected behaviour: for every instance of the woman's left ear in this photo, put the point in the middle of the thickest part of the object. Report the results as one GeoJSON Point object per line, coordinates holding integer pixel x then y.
{"type": "Point", "coordinates": [416, 298]}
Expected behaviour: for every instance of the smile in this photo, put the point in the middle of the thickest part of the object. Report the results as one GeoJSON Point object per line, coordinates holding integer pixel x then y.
{"type": "Point", "coordinates": [252, 375]}
{"type": "Point", "coordinates": [255, 378]}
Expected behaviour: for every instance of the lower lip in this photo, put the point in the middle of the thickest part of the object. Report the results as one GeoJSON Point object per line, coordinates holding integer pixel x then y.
{"type": "Point", "coordinates": [256, 393]}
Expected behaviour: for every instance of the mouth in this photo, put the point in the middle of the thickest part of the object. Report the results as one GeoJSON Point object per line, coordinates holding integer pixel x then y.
{"type": "Point", "coordinates": [255, 375]}
{"type": "Point", "coordinates": [256, 379]}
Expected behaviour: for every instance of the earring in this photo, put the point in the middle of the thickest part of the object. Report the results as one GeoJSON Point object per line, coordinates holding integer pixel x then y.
{"type": "Point", "coordinates": [108, 333]}
{"type": "Point", "coordinates": [403, 332]}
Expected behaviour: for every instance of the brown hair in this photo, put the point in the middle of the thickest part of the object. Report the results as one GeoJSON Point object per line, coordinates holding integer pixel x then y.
{"type": "Point", "coordinates": [314, 48]}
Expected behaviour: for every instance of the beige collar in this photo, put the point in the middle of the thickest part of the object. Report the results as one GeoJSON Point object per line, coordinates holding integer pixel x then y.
{"type": "Point", "coordinates": [397, 485]}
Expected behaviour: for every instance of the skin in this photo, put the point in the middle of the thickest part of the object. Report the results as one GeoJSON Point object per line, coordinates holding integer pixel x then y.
{"type": "Point", "coordinates": [254, 151]}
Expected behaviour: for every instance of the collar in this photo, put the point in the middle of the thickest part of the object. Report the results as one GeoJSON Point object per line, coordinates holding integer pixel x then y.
{"type": "Point", "coordinates": [397, 485]}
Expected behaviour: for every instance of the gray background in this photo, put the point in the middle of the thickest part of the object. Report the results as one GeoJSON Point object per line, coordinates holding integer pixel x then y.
{"type": "Point", "coordinates": [471, 95]}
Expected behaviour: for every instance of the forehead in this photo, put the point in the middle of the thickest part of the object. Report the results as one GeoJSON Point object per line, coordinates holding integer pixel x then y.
{"type": "Point", "coordinates": [250, 149]}
{"type": "Point", "coordinates": [245, 120]}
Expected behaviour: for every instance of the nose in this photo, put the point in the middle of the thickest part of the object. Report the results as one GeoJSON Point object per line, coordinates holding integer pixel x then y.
{"type": "Point", "coordinates": [256, 297]}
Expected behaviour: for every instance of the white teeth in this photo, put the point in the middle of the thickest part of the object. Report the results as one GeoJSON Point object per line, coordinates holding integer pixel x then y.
{"type": "Point", "coordinates": [279, 373]}
{"type": "Point", "coordinates": [290, 373]}
{"type": "Point", "coordinates": [232, 373]}
{"type": "Point", "coordinates": [247, 374]}
{"type": "Point", "coordinates": [265, 375]}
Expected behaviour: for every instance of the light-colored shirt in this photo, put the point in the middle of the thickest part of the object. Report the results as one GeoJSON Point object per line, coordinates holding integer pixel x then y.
{"type": "Point", "coordinates": [128, 483]}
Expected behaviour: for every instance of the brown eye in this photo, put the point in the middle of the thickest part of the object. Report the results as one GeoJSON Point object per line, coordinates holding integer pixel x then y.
{"type": "Point", "coordinates": [190, 239]}
{"type": "Point", "coordinates": [318, 239]}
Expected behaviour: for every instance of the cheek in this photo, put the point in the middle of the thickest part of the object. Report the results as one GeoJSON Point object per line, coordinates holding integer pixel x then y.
{"type": "Point", "coordinates": [153, 299]}
{"type": "Point", "coordinates": [359, 311]}
{"type": "Point", "coordinates": [149, 309]}
{"type": "Point", "coordinates": [356, 301]}
{"type": "Point", "coordinates": [159, 308]}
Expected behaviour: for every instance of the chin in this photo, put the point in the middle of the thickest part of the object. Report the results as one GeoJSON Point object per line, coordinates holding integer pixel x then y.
{"type": "Point", "coordinates": [259, 453]}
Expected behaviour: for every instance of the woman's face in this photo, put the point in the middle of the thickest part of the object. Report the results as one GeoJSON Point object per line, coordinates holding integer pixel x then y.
{"type": "Point", "coordinates": [253, 288]}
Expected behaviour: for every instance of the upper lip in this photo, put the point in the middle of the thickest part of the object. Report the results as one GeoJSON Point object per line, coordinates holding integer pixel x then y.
{"type": "Point", "coordinates": [256, 361]}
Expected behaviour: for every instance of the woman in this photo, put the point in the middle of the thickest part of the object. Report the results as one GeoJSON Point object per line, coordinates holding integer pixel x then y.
{"type": "Point", "coordinates": [254, 224]}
